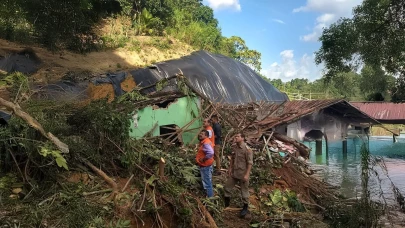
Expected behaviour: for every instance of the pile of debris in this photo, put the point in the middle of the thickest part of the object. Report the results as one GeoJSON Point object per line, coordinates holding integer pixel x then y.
{"type": "Point", "coordinates": [277, 154]}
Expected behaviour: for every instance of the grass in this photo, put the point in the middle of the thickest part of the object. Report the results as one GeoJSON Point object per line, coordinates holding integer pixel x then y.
{"type": "Point", "coordinates": [160, 44]}
{"type": "Point", "coordinates": [379, 131]}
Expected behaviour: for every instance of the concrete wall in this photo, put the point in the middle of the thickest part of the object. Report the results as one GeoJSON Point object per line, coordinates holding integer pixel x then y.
{"type": "Point", "coordinates": [334, 128]}
{"type": "Point", "coordinates": [294, 130]}
{"type": "Point", "coordinates": [179, 112]}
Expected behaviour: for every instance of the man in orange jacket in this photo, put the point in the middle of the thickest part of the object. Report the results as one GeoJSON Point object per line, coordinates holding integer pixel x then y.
{"type": "Point", "coordinates": [204, 159]}
{"type": "Point", "coordinates": [207, 127]}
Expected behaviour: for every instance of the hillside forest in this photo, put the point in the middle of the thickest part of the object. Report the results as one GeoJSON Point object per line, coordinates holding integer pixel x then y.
{"type": "Point", "coordinates": [75, 25]}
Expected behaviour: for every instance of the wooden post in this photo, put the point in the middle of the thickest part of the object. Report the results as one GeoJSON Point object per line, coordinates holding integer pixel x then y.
{"type": "Point", "coordinates": [326, 146]}
{"type": "Point", "coordinates": [394, 139]}
{"type": "Point", "coordinates": [344, 130]}
{"type": "Point", "coordinates": [344, 146]}
{"type": "Point", "coordinates": [318, 150]}
{"type": "Point", "coordinates": [162, 164]}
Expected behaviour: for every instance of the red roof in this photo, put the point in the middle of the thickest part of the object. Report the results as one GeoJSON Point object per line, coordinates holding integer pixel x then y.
{"type": "Point", "coordinates": [382, 110]}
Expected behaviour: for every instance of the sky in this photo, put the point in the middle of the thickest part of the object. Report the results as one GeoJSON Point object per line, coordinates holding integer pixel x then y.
{"type": "Point", "coordinates": [286, 32]}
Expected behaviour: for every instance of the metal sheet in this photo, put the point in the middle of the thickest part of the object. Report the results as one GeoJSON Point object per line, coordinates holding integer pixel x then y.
{"type": "Point", "coordinates": [382, 110]}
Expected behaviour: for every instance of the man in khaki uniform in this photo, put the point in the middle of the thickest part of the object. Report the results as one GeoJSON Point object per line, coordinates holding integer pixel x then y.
{"type": "Point", "coordinates": [239, 171]}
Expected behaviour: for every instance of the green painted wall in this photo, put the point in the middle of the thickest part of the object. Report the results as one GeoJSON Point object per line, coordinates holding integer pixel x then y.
{"type": "Point", "coordinates": [180, 112]}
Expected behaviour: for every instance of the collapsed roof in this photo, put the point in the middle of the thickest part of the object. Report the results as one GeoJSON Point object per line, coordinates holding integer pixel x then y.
{"type": "Point", "coordinates": [217, 77]}
{"type": "Point", "coordinates": [263, 116]}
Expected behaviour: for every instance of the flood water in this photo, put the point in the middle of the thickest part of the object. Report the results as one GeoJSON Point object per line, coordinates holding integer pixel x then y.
{"type": "Point", "coordinates": [343, 170]}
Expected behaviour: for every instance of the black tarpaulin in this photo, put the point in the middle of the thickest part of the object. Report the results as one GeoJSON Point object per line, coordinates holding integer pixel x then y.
{"type": "Point", "coordinates": [4, 118]}
{"type": "Point", "coordinates": [217, 77]}
{"type": "Point", "coordinates": [24, 61]}
{"type": "Point", "coordinates": [115, 80]}
{"type": "Point", "coordinates": [64, 90]}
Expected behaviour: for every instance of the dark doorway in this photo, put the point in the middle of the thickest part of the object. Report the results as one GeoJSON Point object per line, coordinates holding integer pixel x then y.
{"type": "Point", "coordinates": [167, 133]}
{"type": "Point", "coordinates": [317, 136]}
{"type": "Point", "coordinates": [313, 135]}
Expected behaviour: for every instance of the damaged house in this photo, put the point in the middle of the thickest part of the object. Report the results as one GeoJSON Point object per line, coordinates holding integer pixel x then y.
{"type": "Point", "coordinates": [175, 95]}
{"type": "Point", "coordinates": [172, 95]}
{"type": "Point", "coordinates": [235, 87]}
{"type": "Point", "coordinates": [212, 77]}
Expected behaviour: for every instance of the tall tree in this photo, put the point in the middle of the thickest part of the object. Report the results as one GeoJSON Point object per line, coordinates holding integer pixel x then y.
{"type": "Point", "coordinates": [240, 51]}
{"type": "Point", "coordinates": [345, 85]}
{"type": "Point", "coordinates": [375, 36]}
{"type": "Point", "coordinates": [374, 81]}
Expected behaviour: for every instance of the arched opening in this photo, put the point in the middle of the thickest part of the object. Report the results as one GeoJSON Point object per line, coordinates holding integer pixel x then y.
{"type": "Point", "coordinates": [313, 135]}
{"type": "Point", "coordinates": [317, 136]}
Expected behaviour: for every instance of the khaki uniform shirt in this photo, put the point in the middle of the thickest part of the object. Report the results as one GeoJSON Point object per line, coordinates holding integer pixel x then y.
{"type": "Point", "coordinates": [242, 156]}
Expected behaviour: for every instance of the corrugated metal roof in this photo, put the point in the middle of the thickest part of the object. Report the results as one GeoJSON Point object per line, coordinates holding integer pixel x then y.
{"type": "Point", "coordinates": [382, 110]}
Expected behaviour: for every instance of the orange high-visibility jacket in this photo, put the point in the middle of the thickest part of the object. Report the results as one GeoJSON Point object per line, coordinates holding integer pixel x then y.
{"type": "Point", "coordinates": [201, 154]}
{"type": "Point", "coordinates": [212, 139]}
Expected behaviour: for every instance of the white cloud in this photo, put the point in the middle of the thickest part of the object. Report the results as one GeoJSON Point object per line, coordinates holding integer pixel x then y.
{"type": "Point", "coordinates": [278, 21]}
{"type": "Point", "coordinates": [289, 68]}
{"type": "Point", "coordinates": [287, 54]}
{"type": "Point", "coordinates": [340, 7]}
{"type": "Point", "coordinates": [224, 4]}
{"type": "Point", "coordinates": [326, 18]}
{"type": "Point", "coordinates": [322, 22]}
{"type": "Point", "coordinates": [330, 11]}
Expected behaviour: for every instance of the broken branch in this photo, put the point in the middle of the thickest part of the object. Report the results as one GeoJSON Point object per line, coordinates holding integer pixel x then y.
{"type": "Point", "coordinates": [16, 109]}
{"type": "Point", "coordinates": [105, 177]}
{"type": "Point", "coordinates": [162, 164]}
{"type": "Point", "coordinates": [126, 185]}
{"type": "Point", "coordinates": [207, 215]}
{"type": "Point", "coordinates": [97, 192]}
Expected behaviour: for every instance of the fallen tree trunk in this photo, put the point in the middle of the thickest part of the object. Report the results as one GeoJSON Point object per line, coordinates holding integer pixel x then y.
{"type": "Point", "coordinates": [105, 177]}
{"type": "Point", "coordinates": [16, 109]}
{"type": "Point", "coordinates": [302, 149]}
{"type": "Point", "coordinates": [207, 215]}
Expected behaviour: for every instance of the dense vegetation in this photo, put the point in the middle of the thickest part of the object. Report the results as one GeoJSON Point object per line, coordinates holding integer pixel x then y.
{"type": "Point", "coordinates": [375, 36]}
{"type": "Point", "coordinates": [72, 24]}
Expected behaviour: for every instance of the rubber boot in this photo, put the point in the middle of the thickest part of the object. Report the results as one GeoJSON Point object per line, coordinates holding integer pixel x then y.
{"type": "Point", "coordinates": [227, 201]}
{"type": "Point", "coordinates": [244, 211]}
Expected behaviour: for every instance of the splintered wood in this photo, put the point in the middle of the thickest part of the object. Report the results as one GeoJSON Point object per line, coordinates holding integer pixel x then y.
{"type": "Point", "coordinates": [258, 119]}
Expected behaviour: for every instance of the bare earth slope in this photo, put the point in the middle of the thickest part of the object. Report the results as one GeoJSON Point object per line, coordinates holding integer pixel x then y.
{"type": "Point", "coordinates": [54, 65]}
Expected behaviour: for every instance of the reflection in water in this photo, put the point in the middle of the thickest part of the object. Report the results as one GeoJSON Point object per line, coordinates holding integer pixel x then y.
{"type": "Point", "coordinates": [344, 170]}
